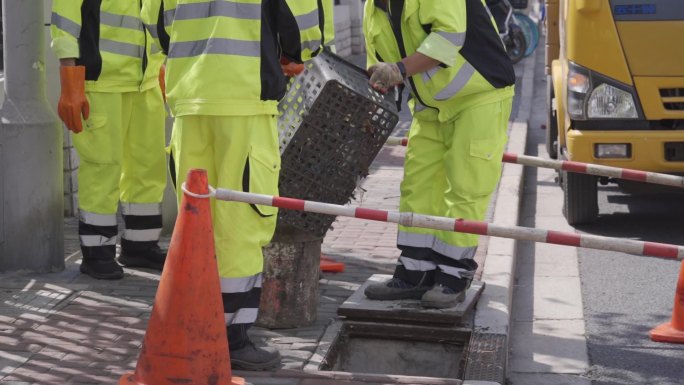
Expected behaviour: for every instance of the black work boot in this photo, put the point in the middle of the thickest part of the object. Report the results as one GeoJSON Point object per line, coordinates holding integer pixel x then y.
{"type": "Point", "coordinates": [442, 297]}
{"type": "Point", "coordinates": [395, 289]}
{"type": "Point", "coordinates": [101, 268]}
{"type": "Point", "coordinates": [153, 257]}
{"type": "Point", "coordinates": [247, 356]}
{"type": "Point", "coordinates": [97, 234]}
{"type": "Point", "coordinates": [251, 357]}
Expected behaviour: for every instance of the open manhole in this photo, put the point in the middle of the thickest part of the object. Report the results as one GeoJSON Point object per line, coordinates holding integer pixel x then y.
{"type": "Point", "coordinates": [400, 338]}
{"type": "Point", "coordinates": [408, 350]}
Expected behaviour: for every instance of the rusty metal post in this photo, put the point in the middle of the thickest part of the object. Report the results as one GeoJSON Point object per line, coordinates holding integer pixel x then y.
{"type": "Point", "coordinates": [31, 184]}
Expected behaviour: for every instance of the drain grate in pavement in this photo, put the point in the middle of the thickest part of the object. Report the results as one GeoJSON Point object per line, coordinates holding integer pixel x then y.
{"type": "Point", "coordinates": [486, 357]}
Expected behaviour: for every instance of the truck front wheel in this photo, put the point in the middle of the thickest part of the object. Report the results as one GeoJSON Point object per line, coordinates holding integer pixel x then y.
{"type": "Point", "coordinates": [580, 198]}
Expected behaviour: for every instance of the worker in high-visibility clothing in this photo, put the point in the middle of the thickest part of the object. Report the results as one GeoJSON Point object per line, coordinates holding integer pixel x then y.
{"type": "Point", "coordinates": [225, 75]}
{"type": "Point", "coordinates": [112, 103]}
{"type": "Point", "coordinates": [461, 80]}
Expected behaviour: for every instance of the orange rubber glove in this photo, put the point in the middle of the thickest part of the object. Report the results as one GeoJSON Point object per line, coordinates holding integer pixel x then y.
{"type": "Point", "coordinates": [72, 101]}
{"type": "Point", "coordinates": [290, 68]}
{"type": "Point", "coordinates": [162, 81]}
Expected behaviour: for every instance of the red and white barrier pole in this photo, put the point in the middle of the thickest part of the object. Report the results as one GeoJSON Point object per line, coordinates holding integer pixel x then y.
{"type": "Point", "coordinates": [579, 167]}
{"type": "Point", "coordinates": [459, 225]}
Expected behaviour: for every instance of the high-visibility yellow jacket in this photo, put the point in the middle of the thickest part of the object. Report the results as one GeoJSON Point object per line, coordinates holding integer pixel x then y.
{"type": "Point", "coordinates": [108, 38]}
{"type": "Point", "coordinates": [223, 56]}
{"type": "Point", "coordinates": [327, 20]}
{"type": "Point", "coordinates": [474, 69]}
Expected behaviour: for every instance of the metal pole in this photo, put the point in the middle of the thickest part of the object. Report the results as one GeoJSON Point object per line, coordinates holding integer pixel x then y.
{"type": "Point", "coordinates": [31, 183]}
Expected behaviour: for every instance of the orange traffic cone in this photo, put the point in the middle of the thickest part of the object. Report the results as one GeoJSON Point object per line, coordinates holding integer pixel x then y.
{"type": "Point", "coordinates": [186, 340]}
{"type": "Point", "coordinates": [673, 331]}
{"type": "Point", "coordinates": [330, 265]}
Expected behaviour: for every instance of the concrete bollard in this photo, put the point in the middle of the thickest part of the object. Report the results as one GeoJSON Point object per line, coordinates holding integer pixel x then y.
{"type": "Point", "coordinates": [289, 292]}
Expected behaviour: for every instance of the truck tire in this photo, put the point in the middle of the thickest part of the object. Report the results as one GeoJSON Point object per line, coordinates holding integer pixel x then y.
{"type": "Point", "coordinates": [551, 121]}
{"type": "Point", "coordinates": [580, 198]}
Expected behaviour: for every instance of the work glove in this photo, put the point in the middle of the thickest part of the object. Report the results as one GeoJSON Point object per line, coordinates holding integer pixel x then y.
{"type": "Point", "coordinates": [162, 81]}
{"type": "Point", "coordinates": [290, 68]}
{"type": "Point", "coordinates": [384, 76]}
{"type": "Point", "coordinates": [72, 101]}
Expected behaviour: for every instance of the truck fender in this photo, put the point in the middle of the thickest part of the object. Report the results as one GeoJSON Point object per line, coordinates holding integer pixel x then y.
{"type": "Point", "coordinates": [558, 104]}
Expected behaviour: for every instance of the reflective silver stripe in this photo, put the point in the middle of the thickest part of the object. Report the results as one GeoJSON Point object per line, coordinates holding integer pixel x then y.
{"type": "Point", "coordinates": [417, 107]}
{"type": "Point", "coordinates": [415, 240]}
{"type": "Point", "coordinates": [215, 46]}
{"type": "Point", "coordinates": [242, 316]}
{"type": "Point", "coordinates": [455, 38]}
{"type": "Point", "coordinates": [169, 16]}
{"type": "Point", "coordinates": [454, 252]}
{"type": "Point", "coordinates": [307, 21]}
{"type": "Point", "coordinates": [66, 25]}
{"type": "Point", "coordinates": [459, 81]}
{"type": "Point", "coordinates": [427, 75]}
{"type": "Point", "coordinates": [152, 29]}
{"type": "Point", "coordinates": [330, 43]}
{"type": "Point", "coordinates": [312, 45]}
{"type": "Point", "coordinates": [140, 208]}
{"type": "Point", "coordinates": [97, 219]}
{"type": "Point", "coordinates": [97, 240]}
{"type": "Point", "coordinates": [416, 264]}
{"type": "Point", "coordinates": [142, 235]}
{"type": "Point", "coordinates": [217, 8]}
{"type": "Point", "coordinates": [457, 271]}
{"type": "Point", "coordinates": [241, 284]}
{"type": "Point", "coordinates": [428, 240]}
{"type": "Point", "coordinates": [120, 21]}
{"type": "Point", "coordinates": [120, 48]}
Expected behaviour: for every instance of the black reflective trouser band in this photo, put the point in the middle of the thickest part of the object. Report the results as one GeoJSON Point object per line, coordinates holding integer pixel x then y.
{"type": "Point", "coordinates": [142, 226]}
{"type": "Point", "coordinates": [241, 299]}
{"type": "Point", "coordinates": [415, 277]}
{"type": "Point", "coordinates": [240, 303]}
{"type": "Point", "coordinates": [141, 232]}
{"type": "Point", "coordinates": [97, 242]}
{"type": "Point", "coordinates": [466, 269]}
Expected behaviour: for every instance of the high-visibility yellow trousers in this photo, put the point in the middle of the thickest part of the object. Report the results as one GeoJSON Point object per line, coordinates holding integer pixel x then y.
{"type": "Point", "coordinates": [239, 153]}
{"type": "Point", "coordinates": [122, 159]}
{"type": "Point", "coordinates": [451, 170]}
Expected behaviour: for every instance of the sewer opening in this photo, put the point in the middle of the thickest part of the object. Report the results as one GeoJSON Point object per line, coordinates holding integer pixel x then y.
{"type": "Point", "coordinates": [408, 350]}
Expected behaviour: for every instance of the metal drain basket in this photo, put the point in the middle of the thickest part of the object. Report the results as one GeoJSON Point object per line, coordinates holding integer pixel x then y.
{"type": "Point", "coordinates": [332, 125]}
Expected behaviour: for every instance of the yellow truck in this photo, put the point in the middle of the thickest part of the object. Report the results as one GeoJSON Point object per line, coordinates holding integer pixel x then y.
{"type": "Point", "coordinates": [615, 87]}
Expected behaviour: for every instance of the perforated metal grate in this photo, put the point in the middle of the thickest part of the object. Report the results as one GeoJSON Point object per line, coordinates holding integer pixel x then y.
{"type": "Point", "coordinates": [486, 357]}
{"type": "Point", "coordinates": [332, 126]}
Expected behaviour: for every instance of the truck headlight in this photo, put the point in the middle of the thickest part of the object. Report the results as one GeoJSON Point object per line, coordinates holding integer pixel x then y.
{"type": "Point", "coordinates": [594, 96]}
{"type": "Point", "coordinates": [609, 102]}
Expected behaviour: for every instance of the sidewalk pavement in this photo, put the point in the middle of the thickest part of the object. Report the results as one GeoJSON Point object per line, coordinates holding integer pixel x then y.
{"type": "Point", "coordinates": [68, 328]}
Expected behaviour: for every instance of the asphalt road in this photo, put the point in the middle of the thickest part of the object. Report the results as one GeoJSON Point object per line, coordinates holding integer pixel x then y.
{"type": "Point", "coordinates": [625, 296]}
